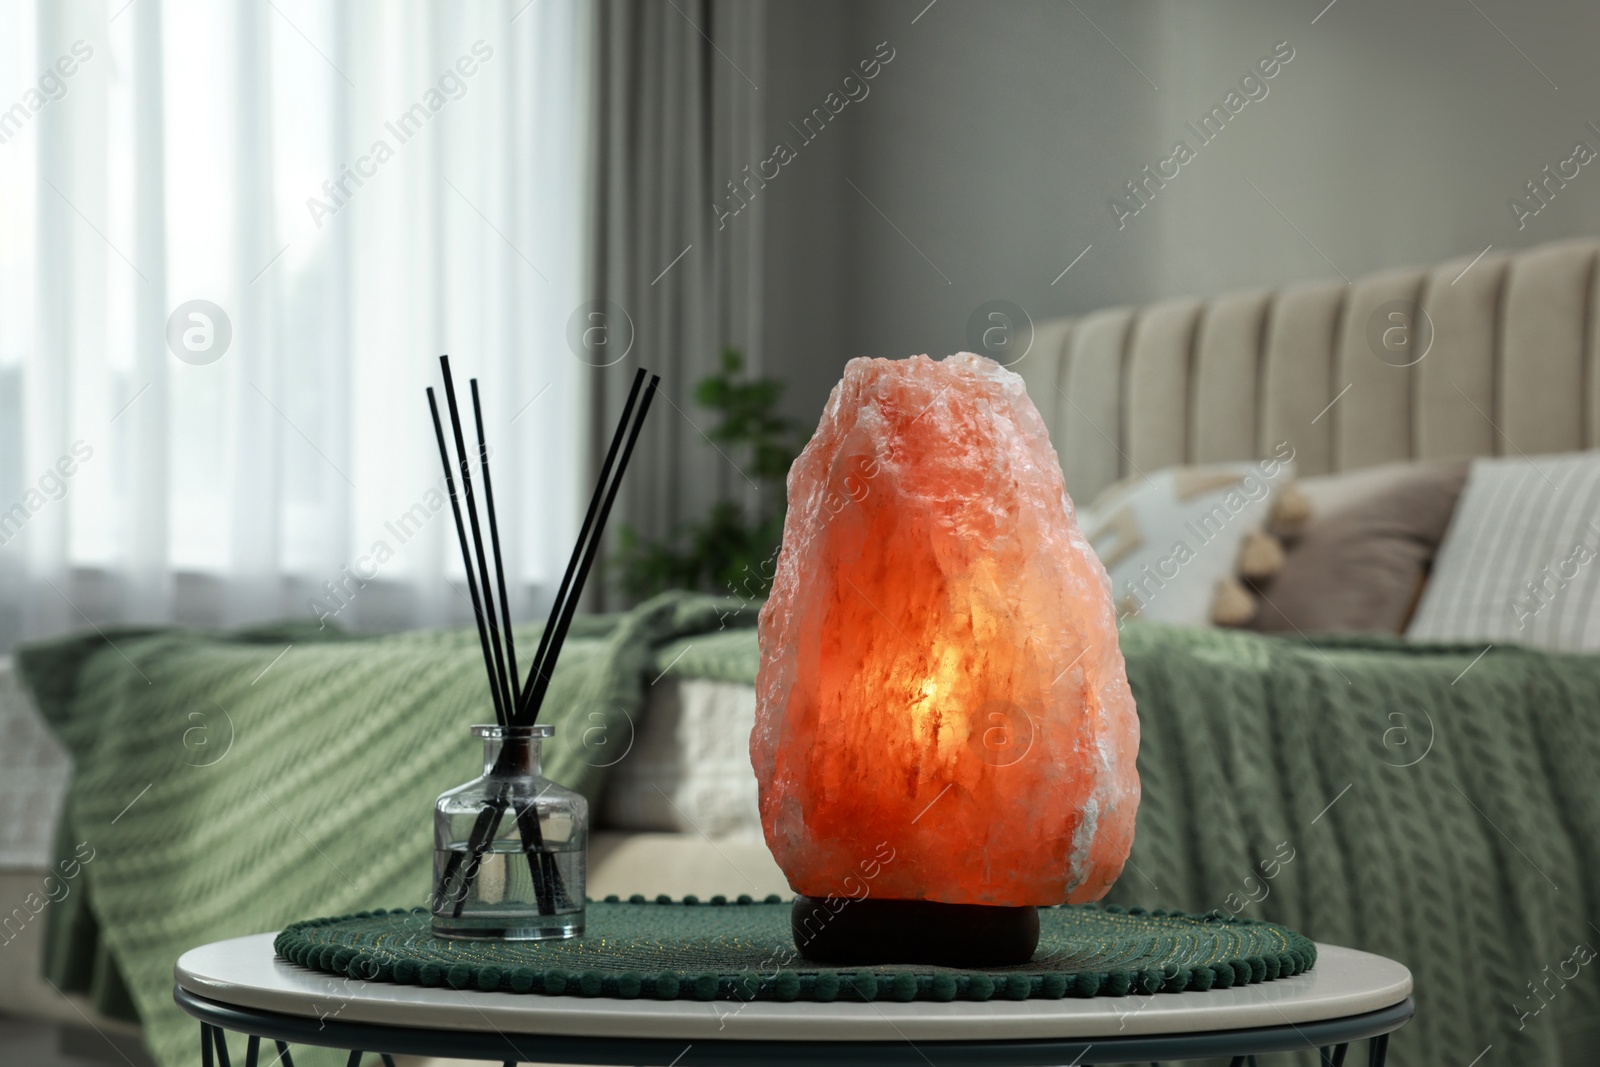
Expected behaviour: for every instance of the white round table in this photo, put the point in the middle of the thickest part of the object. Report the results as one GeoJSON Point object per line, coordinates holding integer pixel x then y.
{"type": "Point", "coordinates": [243, 986]}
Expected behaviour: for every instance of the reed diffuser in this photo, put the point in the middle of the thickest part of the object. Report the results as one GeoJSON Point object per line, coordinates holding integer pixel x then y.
{"type": "Point", "coordinates": [520, 878]}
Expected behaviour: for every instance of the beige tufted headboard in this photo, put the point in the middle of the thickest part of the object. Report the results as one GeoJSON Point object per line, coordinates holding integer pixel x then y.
{"type": "Point", "coordinates": [1514, 367]}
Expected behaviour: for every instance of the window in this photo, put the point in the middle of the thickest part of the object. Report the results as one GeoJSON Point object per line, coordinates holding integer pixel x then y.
{"type": "Point", "coordinates": [233, 242]}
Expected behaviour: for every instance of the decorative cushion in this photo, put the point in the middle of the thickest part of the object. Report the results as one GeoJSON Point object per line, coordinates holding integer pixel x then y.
{"type": "Point", "coordinates": [1363, 544]}
{"type": "Point", "coordinates": [689, 766]}
{"type": "Point", "coordinates": [1518, 563]}
{"type": "Point", "coordinates": [1168, 539]}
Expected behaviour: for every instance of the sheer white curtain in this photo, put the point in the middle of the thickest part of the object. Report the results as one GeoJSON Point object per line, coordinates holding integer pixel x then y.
{"type": "Point", "coordinates": [234, 239]}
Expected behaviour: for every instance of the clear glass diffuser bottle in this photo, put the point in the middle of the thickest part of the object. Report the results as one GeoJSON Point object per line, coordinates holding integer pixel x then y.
{"type": "Point", "coordinates": [509, 847]}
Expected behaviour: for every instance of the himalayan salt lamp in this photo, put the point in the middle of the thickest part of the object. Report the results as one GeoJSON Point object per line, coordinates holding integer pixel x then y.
{"type": "Point", "coordinates": [943, 719]}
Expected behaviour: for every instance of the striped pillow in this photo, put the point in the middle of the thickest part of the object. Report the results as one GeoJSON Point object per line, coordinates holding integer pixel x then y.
{"type": "Point", "coordinates": [1521, 560]}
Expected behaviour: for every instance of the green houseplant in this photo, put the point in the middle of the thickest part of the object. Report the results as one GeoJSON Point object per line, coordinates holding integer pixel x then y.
{"type": "Point", "coordinates": [732, 550]}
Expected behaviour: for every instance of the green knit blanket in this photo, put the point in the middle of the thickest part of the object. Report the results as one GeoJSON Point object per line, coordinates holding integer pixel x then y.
{"type": "Point", "coordinates": [230, 784]}
{"type": "Point", "coordinates": [1416, 801]}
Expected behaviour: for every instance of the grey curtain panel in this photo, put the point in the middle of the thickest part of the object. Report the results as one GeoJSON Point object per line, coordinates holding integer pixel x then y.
{"type": "Point", "coordinates": [675, 273]}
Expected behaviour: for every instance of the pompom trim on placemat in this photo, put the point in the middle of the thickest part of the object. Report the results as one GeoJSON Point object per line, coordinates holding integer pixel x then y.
{"type": "Point", "coordinates": [1162, 952]}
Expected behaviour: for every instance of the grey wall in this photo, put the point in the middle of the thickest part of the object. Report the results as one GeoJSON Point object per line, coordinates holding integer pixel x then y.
{"type": "Point", "coordinates": [992, 143]}
{"type": "Point", "coordinates": [804, 241]}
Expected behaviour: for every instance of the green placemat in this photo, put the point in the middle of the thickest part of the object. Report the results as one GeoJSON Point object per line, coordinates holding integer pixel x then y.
{"type": "Point", "coordinates": [742, 950]}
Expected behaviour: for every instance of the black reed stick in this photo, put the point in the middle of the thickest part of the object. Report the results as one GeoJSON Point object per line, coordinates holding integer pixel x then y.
{"type": "Point", "coordinates": [499, 676]}
{"type": "Point", "coordinates": [537, 668]}
{"type": "Point", "coordinates": [540, 866]}
{"type": "Point", "coordinates": [483, 831]}
{"type": "Point", "coordinates": [494, 541]}
{"type": "Point", "coordinates": [499, 680]}
{"type": "Point", "coordinates": [488, 635]}
{"type": "Point", "coordinates": [488, 819]}
{"type": "Point", "coordinates": [536, 697]}
{"type": "Point", "coordinates": [500, 711]}
{"type": "Point", "coordinates": [488, 822]}
{"type": "Point", "coordinates": [547, 887]}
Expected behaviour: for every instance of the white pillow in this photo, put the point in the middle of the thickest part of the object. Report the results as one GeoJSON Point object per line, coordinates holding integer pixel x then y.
{"type": "Point", "coordinates": [1518, 564]}
{"type": "Point", "coordinates": [1168, 538]}
{"type": "Point", "coordinates": [688, 768]}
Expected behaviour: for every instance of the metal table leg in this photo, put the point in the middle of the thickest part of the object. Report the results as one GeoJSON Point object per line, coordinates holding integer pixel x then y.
{"type": "Point", "coordinates": [214, 1051]}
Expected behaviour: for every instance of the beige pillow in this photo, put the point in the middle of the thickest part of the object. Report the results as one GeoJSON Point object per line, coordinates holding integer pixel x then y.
{"type": "Point", "coordinates": [1361, 555]}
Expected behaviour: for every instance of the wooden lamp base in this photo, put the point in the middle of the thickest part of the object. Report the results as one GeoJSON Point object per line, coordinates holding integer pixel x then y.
{"type": "Point", "coordinates": [844, 931]}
